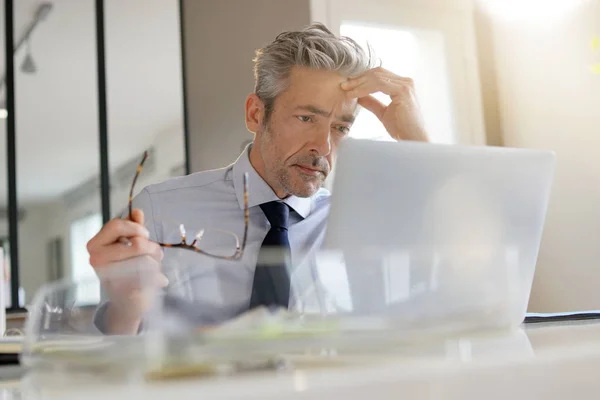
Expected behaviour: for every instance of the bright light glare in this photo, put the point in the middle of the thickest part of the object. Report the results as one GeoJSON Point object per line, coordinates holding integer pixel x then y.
{"type": "Point", "coordinates": [531, 10]}
{"type": "Point", "coordinates": [3, 113]}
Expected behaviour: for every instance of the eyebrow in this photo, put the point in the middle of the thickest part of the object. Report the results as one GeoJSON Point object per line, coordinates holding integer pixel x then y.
{"type": "Point", "coordinates": [349, 118]}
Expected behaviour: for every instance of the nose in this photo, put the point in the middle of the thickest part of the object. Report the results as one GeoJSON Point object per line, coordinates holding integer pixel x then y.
{"type": "Point", "coordinates": [321, 141]}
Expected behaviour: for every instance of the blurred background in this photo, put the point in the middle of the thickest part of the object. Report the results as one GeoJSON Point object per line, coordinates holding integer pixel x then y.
{"type": "Point", "coordinates": [520, 73]}
{"type": "Point", "coordinates": [57, 123]}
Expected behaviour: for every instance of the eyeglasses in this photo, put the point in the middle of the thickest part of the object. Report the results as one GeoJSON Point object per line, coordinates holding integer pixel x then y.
{"type": "Point", "coordinates": [193, 246]}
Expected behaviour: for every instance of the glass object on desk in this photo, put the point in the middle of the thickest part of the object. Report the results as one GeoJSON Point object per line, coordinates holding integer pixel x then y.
{"type": "Point", "coordinates": [410, 294]}
{"type": "Point", "coordinates": [65, 338]}
{"type": "Point", "coordinates": [344, 303]}
{"type": "Point", "coordinates": [368, 300]}
{"type": "Point", "coordinates": [184, 329]}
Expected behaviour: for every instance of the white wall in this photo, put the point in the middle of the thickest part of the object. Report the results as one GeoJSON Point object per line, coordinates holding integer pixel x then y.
{"type": "Point", "coordinates": [220, 40]}
{"type": "Point", "coordinates": [548, 98]}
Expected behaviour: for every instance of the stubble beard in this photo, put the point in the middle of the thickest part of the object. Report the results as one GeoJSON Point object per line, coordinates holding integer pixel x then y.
{"type": "Point", "coordinates": [282, 174]}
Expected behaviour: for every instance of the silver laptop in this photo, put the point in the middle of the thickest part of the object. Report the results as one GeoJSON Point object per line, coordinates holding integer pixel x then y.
{"type": "Point", "coordinates": [437, 231]}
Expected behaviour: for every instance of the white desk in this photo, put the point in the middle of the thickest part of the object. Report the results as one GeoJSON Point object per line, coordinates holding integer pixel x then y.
{"type": "Point", "coordinates": [551, 362]}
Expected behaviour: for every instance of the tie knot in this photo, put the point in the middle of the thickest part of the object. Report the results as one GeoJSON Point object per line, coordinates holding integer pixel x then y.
{"type": "Point", "coordinates": [277, 213]}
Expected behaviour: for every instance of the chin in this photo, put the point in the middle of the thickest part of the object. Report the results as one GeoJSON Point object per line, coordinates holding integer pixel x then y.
{"type": "Point", "coordinates": [305, 190]}
{"type": "Point", "coordinates": [307, 193]}
{"type": "Point", "coordinates": [300, 185]}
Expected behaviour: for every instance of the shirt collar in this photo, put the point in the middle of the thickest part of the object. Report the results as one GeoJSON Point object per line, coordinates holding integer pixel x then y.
{"type": "Point", "coordinates": [259, 192]}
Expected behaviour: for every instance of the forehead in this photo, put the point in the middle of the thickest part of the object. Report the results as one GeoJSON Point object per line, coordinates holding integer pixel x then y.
{"type": "Point", "coordinates": [318, 88]}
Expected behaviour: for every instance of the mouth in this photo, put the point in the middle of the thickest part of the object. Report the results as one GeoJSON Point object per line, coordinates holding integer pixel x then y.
{"type": "Point", "coordinates": [309, 170]}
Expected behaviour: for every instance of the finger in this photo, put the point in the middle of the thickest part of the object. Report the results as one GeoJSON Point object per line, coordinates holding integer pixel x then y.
{"type": "Point", "coordinates": [137, 216]}
{"type": "Point", "coordinates": [124, 286]}
{"type": "Point", "coordinates": [392, 87]}
{"type": "Point", "coordinates": [364, 89]}
{"type": "Point", "coordinates": [391, 77]}
{"type": "Point", "coordinates": [162, 280]}
{"type": "Point", "coordinates": [124, 279]}
{"type": "Point", "coordinates": [381, 72]}
{"type": "Point", "coordinates": [133, 283]}
{"type": "Point", "coordinates": [132, 266]}
{"type": "Point", "coordinates": [376, 74]}
{"type": "Point", "coordinates": [115, 229]}
{"type": "Point", "coordinates": [352, 83]}
{"type": "Point", "coordinates": [117, 252]}
{"type": "Point", "coordinates": [372, 104]}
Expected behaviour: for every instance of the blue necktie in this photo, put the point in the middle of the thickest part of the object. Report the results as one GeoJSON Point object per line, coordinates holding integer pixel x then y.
{"type": "Point", "coordinates": [271, 285]}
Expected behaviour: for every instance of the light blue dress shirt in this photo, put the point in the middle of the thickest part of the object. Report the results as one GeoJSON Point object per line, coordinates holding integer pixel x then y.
{"type": "Point", "coordinates": [219, 289]}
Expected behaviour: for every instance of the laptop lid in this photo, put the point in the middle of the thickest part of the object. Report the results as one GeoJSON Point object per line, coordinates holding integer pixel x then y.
{"type": "Point", "coordinates": [461, 219]}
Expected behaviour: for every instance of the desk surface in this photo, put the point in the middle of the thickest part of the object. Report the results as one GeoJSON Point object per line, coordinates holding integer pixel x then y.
{"type": "Point", "coordinates": [537, 362]}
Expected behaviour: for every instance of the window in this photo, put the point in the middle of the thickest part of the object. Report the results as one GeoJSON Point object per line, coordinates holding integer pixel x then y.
{"type": "Point", "coordinates": [420, 56]}
{"type": "Point", "coordinates": [82, 230]}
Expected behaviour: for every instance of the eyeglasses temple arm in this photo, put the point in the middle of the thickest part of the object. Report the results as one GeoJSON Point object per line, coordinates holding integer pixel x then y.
{"type": "Point", "coordinates": [137, 173]}
{"type": "Point", "coordinates": [246, 212]}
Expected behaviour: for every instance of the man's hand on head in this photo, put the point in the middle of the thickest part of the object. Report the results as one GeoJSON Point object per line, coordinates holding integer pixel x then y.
{"type": "Point", "coordinates": [402, 118]}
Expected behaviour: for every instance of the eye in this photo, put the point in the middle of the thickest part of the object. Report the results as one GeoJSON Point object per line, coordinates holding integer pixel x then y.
{"type": "Point", "coordinates": [305, 118]}
{"type": "Point", "coordinates": [343, 129]}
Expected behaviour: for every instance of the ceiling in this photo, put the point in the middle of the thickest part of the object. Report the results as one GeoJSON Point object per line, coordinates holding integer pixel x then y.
{"type": "Point", "coordinates": [57, 107]}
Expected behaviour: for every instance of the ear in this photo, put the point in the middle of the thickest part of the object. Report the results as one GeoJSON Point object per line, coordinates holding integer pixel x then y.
{"type": "Point", "coordinates": [255, 111]}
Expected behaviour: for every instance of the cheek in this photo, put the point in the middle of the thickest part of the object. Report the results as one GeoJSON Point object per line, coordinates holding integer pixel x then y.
{"type": "Point", "coordinates": [283, 140]}
{"type": "Point", "coordinates": [336, 138]}
{"type": "Point", "coordinates": [293, 136]}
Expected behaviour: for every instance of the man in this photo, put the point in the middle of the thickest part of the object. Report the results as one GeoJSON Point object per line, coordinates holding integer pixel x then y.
{"type": "Point", "coordinates": [309, 85]}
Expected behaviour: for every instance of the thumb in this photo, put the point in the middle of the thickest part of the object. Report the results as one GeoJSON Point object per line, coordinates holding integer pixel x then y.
{"type": "Point", "coordinates": [137, 215]}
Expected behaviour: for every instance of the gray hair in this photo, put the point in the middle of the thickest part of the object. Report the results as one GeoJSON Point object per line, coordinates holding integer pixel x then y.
{"type": "Point", "coordinates": [314, 47]}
